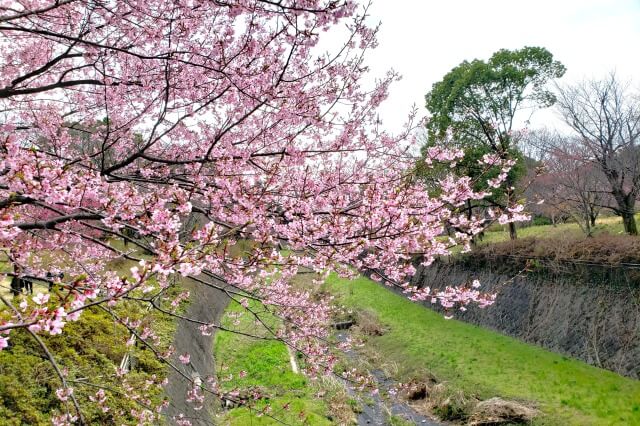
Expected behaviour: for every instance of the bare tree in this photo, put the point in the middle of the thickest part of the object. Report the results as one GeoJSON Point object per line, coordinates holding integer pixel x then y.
{"type": "Point", "coordinates": [578, 185]}
{"type": "Point", "coordinates": [571, 184]}
{"type": "Point", "coordinates": [605, 114]}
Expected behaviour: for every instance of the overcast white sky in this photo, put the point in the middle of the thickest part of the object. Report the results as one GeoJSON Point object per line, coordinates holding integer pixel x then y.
{"type": "Point", "coordinates": [424, 39]}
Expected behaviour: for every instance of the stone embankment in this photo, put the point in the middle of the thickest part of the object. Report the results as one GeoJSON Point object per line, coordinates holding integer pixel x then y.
{"type": "Point", "coordinates": [590, 313]}
{"type": "Point", "coordinates": [207, 304]}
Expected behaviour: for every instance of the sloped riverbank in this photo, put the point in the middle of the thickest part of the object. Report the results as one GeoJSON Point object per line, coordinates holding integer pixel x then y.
{"type": "Point", "coordinates": [589, 313]}
{"type": "Point", "coordinates": [476, 364]}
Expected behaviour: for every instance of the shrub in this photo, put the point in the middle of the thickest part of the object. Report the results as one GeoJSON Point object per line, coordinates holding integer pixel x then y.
{"type": "Point", "coordinates": [541, 220]}
{"type": "Point", "coordinates": [604, 248]}
{"type": "Point", "coordinates": [604, 253]}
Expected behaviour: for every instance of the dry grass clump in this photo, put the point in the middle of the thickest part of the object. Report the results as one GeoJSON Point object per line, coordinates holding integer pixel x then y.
{"type": "Point", "coordinates": [604, 248]}
{"type": "Point", "coordinates": [438, 399]}
{"type": "Point", "coordinates": [500, 411]}
{"type": "Point", "coordinates": [342, 407]}
{"type": "Point", "coordinates": [430, 397]}
{"type": "Point", "coordinates": [368, 323]}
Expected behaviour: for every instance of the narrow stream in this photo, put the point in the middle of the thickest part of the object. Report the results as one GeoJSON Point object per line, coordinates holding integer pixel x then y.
{"type": "Point", "coordinates": [377, 411]}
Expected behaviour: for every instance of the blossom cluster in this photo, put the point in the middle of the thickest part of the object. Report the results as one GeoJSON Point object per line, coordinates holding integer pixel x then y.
{"type": "Point", "coordinates": [198, 140]}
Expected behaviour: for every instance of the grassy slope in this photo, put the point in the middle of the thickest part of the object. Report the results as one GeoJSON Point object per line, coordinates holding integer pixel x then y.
{"type": "Point", "coordinates": [268, 370]}
{"type": "Point", "coordinates": [608, 224]}
{"type": "Point", "coordinates": [487, 364]}
{"type": "Point", "coordinates": [90, 348]}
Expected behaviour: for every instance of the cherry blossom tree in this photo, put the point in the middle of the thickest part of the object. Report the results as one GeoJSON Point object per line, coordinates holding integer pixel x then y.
{"type": "Point", "coordinates": [183, 128]}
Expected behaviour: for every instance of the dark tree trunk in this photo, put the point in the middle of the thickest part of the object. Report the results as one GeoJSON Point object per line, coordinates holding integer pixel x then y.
{"type": "Point", "coordinates": [593, 214]}
{"type": "Point", "coordinates": [629, 222]}
{"type": "Point", "coordinates": [513, 234]}
{"type": "Point", "coordinates": [474, 241]}
{"type": "Point", "coordinates": [627, 207]}
{"type": "Point", "coordinates": [587, 225]}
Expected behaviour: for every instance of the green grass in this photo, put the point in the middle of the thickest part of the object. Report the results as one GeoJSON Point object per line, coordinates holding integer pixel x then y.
{"type": "Point", "coordinates": [606, 224]}
{"type": "Point", "coordinates": [289, 396]}
{"type": "Point", "coordinates": [487, 364]}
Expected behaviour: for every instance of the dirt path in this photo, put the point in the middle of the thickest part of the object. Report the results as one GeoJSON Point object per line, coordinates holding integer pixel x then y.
{"type": "Point", "coordinates": [206, 304]}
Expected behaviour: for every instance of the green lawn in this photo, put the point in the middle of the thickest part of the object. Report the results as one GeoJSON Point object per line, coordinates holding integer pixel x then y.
{"type": "Point", "coordinates": [486, 364]}
{"type": "Point", "coordinates": [605, 224]}
{"type": "Point", "coordinates": [289, 396]}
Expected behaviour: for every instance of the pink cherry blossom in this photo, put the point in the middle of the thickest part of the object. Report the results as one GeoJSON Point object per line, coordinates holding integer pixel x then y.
{"type": "Point", "coordinates": [63, 394]}
{"type": "Point", "coordinates": [196, 140]}
{"type": "Point", "coordinates": [41, 299]}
